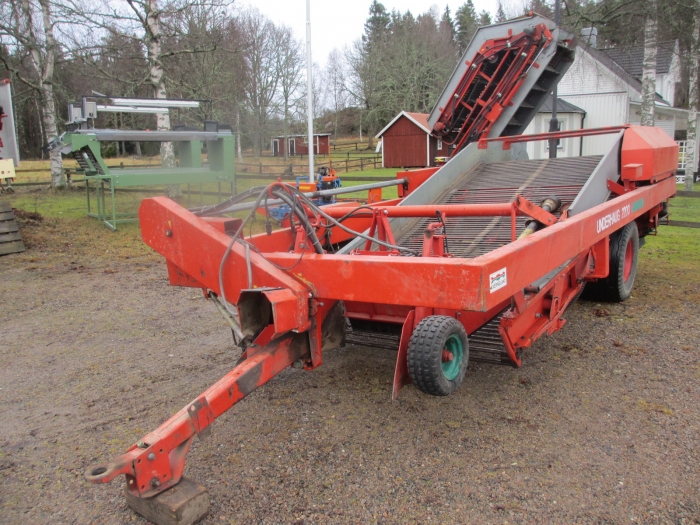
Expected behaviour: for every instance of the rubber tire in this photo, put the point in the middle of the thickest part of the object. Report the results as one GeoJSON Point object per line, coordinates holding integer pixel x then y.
{"type": "Point", "coordinates": [614, 288]}
{"type": "Point", "coordinates": [425, 355]}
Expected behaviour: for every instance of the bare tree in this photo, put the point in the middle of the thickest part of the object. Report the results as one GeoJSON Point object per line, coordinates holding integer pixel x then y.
{"type": "Point", "coordinates": [263, 75]}
{"type": "Point", "coordinates": [364, 60]}
{"type": "Point", "coordinates": [649, 65]}
{"type": "Point", "coordinates": [363, 84]}
{"type": "Point", "coordinates": [335, 86]}
{"type": "Point", "coordinates": [290, 65]}
{"type": "Point", "coordinates": [691, 152]}
{"type": "Point", "coordinates": [217, 71]}
{"type": "Point", "coordinates": [167, 29]}
{"type": "Point", "coordinates": [148, 14]}
{"type": "Point", "coordinates": [29, 26]}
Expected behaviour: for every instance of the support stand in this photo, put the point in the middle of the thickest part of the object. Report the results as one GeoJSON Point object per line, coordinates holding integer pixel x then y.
{"type": "Point", "coordinates": [184, 504]}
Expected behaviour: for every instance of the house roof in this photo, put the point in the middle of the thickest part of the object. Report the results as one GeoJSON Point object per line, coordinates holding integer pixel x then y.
{"type": "Point", "coordinates": [618, 70]}
{"type": "Point", "coordinates": [562, 107]}
{"type": "Point", "coordinates": [419, 119]}
{"type": "Point", "coordinates": [630, 58]}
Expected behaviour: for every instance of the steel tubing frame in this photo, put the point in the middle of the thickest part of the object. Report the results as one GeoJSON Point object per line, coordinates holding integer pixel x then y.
{"type": "Point", "coordinates": [157, 461]}
{"type": "Point", "coordinates": [321, 193]}
{"type": "Point", "coordinates": [554, 135]}
{"type": "Point", "coordinates": [449, 210]}
{"type": "Point", "coordinates": [461, 283]}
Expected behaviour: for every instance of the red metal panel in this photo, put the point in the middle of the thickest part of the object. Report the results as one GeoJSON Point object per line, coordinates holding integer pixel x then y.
{"type": "Point", "coordinates": [651, 147]}
{"type": "Point", "coordinates": [464, 284]}
{"type": "Point", "coordinates": [377, 312]}
{"type": "Point", "coordinates": [197, 248]}
{"type": "Point", "coordinates": [415, 179]}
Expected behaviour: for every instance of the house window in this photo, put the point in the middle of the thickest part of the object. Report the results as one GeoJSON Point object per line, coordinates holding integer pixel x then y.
{"type": "Point", "coordinates": [439, 145]}
{"type": "Point", "coordinates": [561, 125]}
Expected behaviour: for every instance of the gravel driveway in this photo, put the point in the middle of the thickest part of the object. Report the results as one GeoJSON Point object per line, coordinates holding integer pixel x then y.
{"type": "Point", "coordinates": [600, 425]}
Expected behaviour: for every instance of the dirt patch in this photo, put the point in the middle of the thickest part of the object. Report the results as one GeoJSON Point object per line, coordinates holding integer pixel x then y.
{"type": "Point", "coordinates": [27, 216]}
{"type": "Point", "coordinates": [600, 425]}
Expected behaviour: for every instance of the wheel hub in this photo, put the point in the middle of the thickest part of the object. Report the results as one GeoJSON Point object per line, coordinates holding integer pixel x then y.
{"type": "Point", "coordinates": [452, 355]}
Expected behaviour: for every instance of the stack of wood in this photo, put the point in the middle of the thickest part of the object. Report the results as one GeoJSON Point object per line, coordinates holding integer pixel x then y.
{"type": "Point", "coordinates": [10, 238]}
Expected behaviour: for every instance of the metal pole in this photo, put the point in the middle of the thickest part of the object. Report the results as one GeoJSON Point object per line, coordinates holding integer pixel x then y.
{"type": "Point", "coordinates": [309, 92]}
{"type": "Point", "coordinates": [554, 123]}
{"type": "Point", "coordinates": [315, 194]}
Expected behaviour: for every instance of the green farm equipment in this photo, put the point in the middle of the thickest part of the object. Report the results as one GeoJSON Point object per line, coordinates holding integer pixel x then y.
{"type": "Point", "coordinates": [84, 147]}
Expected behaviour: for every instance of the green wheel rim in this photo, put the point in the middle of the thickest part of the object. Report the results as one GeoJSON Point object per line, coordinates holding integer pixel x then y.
{"type": "Point", "coordinates": [453, 345]}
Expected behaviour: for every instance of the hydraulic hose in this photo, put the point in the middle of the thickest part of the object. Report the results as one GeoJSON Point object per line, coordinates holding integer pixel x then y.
{"type": "Point", "coordinates": [303, 219]}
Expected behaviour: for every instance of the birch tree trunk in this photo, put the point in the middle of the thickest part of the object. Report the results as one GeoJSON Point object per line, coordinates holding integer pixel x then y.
{"type": "Point", "coordinates": [238, 133]}
{"type": "Point", "coordinates": [649, 66]}
{"type": "Point", "coordinates": [691, 150]}
{"type": "Point", "coordinates": [42, 65]}
{"type": "Point", "coordinates": [157, 80]}
{"type": "Point", "coordinates": [286, 133]}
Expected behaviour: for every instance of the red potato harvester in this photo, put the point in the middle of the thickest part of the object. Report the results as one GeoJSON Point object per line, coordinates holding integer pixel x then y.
{"type": "Point", "coordinates": [475, 260]}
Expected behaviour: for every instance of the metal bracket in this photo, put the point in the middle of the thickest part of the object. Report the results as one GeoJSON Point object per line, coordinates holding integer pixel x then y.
{"type": "Point", "coordinates": [533, 210]}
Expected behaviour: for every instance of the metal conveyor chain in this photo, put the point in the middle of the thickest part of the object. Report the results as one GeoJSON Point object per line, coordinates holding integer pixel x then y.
{"type": "Point", "coordinates": [485, 345]}
{"type": "Point", "coordinates": [499, 183]}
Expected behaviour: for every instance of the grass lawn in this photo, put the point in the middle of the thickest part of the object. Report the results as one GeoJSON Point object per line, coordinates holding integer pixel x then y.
{"type": "Point", "coordinates": [67, 226]}
{"type": "Point", "coordinates": [677, 249]}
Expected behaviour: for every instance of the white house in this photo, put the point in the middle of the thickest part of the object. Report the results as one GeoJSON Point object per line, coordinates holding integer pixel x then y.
{"type": "Point", "coordinates": [570, 118]}
{"type": "Point", "coordinates": [606, 84]}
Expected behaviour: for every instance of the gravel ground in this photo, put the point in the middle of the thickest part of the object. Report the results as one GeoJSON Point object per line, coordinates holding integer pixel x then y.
{"type": "Point", "coordinates": [600, 425]}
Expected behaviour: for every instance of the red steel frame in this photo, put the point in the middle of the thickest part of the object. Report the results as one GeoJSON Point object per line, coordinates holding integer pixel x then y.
{"type": "Point", "coordinates": [306, 301]}
{"type": "Point", "coordinates": [460, 120]}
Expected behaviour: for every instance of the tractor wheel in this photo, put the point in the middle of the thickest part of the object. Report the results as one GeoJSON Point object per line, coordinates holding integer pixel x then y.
{"type": "Point", "coordinates": [624, 252]}
{"type": "Point", "coordinates": [438, 353]}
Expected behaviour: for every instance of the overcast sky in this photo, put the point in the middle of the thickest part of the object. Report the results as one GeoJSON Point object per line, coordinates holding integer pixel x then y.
{"type": "Point", "coordinates": [336, 23]}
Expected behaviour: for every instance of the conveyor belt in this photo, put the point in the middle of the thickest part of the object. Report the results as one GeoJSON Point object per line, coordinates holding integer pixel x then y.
{"type": "Point", "coordinates": [485, 345]}
{"type": "Point", "coordinates": [500, 183]}
{"type": "Point", "coordinates": [372, 339]}
{"type": "Point", "coordinates": [80, 157]}
{"type": "Point", "coordinates": [474, 236]}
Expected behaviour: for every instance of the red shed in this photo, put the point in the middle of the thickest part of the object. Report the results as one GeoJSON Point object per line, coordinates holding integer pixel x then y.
{"type": "Point", "coordinates": [298, 145]}
{"type": "Point", "coordinates": [407, 142]}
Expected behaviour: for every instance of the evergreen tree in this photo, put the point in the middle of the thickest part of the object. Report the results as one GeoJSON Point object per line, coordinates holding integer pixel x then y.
{"type": "Point", "coordinates": [467, 22]}
{"type": "Point", "coordinates": [485, 18]}
{"type": "Point", "coordinates": [377, 24]}
{"type": "Point", "coordinates": [447, 24]}
{"type": "Point", "coordinates": [541, 7]}
{"type": "Point", "coordinates": [500, 13]}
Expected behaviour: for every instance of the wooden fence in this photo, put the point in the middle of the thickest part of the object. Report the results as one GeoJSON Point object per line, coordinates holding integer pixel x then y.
{"type": "Point", "coordinates": [341, 166]}
{"type": "Point", "coordinates": [243, 169]}
{"type": "Point", "coordinates": [356, 146]}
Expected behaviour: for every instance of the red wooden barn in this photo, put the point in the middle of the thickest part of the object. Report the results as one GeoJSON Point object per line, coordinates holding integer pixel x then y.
{"type": "Point", "coordinates": [298, 145]}
{"type": "Point", "coordinates": [407, 142]}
